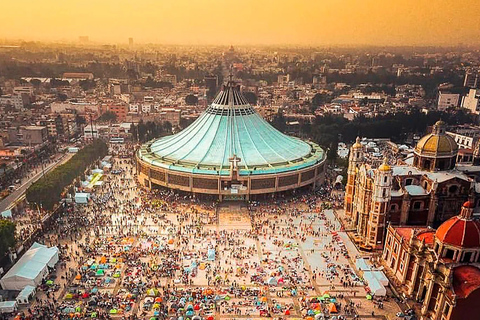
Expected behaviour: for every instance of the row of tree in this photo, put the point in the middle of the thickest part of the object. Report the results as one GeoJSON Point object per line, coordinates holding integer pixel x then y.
{"type": "Point", "coordinates": [145, 131]}
{"type": "Point", "coordinates": [330, 129]}
{"type": "Point", "coordinates": [47, 190]}
{"type": "Point", "coordinates": [7, 236]}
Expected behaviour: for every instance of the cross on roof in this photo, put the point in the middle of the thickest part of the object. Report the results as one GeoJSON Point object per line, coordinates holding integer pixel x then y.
{"type": "Point", "coordinates": [235, 160]}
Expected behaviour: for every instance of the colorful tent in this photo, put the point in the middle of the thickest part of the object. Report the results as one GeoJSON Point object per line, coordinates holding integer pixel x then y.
{"type": "Point", "coordinates": [332, 308]}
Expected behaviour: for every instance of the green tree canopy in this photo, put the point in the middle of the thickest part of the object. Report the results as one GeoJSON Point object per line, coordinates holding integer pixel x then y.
{"type": "Point", "coordinates": [191, 100]}
{"type": "Point", "coordinates": [108, 116]}
{"type": "Point", "coordinates": [47, 190]}
{"type": "Point", "coordinates": [7, 236]}
{"type": "Point", "coordinates": [251, 97]}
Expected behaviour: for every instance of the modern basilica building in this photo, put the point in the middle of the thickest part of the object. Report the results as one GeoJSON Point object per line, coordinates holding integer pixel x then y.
{"type": "Point", "coordinates": [231, 152]}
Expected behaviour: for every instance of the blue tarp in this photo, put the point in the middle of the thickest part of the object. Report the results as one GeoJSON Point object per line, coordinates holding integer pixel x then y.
{"type": "Point", "coordinates": [211, 255]}
{"type": "Point", "coordinates": [7, 214]}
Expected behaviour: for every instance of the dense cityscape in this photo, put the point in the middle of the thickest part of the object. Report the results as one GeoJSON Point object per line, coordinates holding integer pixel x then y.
{"type": "Point", "coordinates": [201, 182]}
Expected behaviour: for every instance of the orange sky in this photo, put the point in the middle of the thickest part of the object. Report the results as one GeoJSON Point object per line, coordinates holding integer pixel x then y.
{"type": "Point", "coordinates": [305, 22]}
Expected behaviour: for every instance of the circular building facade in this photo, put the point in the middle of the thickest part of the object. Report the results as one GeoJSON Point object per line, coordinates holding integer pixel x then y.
{"type": "Point", "coordinates": [232, 152]}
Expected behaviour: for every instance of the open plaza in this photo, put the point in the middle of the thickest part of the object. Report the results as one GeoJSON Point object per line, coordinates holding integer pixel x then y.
{"type": "Point", "coordinates": [131, 253]}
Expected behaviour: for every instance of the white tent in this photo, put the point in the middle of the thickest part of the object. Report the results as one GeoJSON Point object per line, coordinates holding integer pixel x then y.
{"type": "Point", "coordinates": [8, 306]}
{"type": "Point", "coordinates": [31, 268]}
{"type": "Point", "coordinates": [362, 265]}
{"type": "Point", "coordinates": [6, 214]}
{"type": "Point", "coordinates": [380, 276]}
{"type": "Point", "coordinates": [25, 295]}
{"type": "Point", "coordinates": [375, 286]}
{"type": "Point", "coordinates": [81, 197]}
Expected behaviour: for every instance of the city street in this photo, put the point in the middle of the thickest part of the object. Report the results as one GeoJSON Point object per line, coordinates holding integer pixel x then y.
{"type": "Point", "coordinates": [20, 190]}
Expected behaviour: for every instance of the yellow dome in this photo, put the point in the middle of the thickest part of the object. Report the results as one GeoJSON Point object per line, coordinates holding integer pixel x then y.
{"type": "Point", "coordinates": [384, 166]}
{"type": "Point", "coordinates": [437, 144]}
{"type": "Point", "coordinates": [357, 144]}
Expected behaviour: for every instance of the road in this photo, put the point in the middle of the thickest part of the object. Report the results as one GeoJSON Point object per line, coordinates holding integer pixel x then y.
{"type": "Point", "coordinates": [6, 202]}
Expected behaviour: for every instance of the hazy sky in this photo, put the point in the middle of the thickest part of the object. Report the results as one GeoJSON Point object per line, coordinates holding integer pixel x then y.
{"type": "Point", "coordinates": [306, 22]}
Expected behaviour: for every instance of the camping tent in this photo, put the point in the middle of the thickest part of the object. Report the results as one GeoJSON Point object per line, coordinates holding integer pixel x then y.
{"type": "Point", "coordinates": [362, 265]}
{"type": "Point", "coordinates": [31, 268]}
{"type": "Point", "coordinates": [380, 276]}
{"type": "Point", "coordinates": [211, 255]}
{"type": "Point", "coordinates": [375, 286]}
{"type": "Point", "coordinates": [6, 214]}
{"type": "Point", "coordinates": [82, 197]}
{"type": "Point", "coordinates": [25, 294]}
{"type": "Point", "coordinates": [8, 306]}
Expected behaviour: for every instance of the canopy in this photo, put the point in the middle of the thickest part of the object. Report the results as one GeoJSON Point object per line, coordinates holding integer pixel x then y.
{"type": "Point", "coordinates": [82, 198]}
{"type": "Point", "coordinates": [25, 294]}
{"type": "Point", "coordinates": [8, 306]}
{"type": "Point", "coordinates": [380, 276]}
{"type": "Point", "coordinates": [332, 308]}
{"type": "Point", "coordinates": [31, 268]}
{"type": "Point", "coordinates": [375, 286]}
{"type": "Point", "coordinates": [362, 265]}
{"type": "Point", "coordinates": [6, 214]}
{"type": "Point", "coordinates": [230, 129]}
{"type": "Point", "coordinates": [211, 255]}
{"type": "Point", "coordinates": [272, 281]}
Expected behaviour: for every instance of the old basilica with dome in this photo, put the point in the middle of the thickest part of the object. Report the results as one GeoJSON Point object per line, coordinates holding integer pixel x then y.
{"type": "Point", "coordinates": [425, 190]}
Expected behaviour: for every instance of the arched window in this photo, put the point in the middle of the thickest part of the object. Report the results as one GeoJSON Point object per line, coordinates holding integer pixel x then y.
{"type": "Point", "coordinates": [453, 189]}
{"type": "Point", "coordinates": [417, 205]}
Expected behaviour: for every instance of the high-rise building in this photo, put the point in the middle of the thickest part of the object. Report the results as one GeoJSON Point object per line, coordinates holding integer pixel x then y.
{"type": "Point", "coordinates": [472, 101]}
{"type": "Point", "coordinates": [447, 100]}
{"type": "Point", "coordinates": [130, 42]}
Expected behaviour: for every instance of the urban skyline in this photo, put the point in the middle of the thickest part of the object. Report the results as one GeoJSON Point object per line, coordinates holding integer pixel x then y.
{"type": "Point", "coordinates": [373, 22]}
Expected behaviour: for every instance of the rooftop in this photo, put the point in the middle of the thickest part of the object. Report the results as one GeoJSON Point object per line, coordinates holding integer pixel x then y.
{"type": "Point", "coordinates": [231, 129]}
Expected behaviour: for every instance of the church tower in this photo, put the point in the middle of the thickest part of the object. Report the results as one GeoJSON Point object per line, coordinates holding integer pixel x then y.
{"type": "Point", "coordinates": [355, 160]}
{"type": "Point", "coordinates": [381, 195]}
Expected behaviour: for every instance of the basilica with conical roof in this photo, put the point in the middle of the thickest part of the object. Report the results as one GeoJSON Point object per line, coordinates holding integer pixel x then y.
{"type": "Point", "coordinates": [232, 152]}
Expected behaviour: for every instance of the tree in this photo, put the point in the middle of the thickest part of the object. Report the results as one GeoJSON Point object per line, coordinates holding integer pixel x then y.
{"type": "Point", "coordinates": [55, 83]}
{"type": "Point", "coordinates": [79, 120]}
{"type": "Point", "coordinates": [134, 132]}
{"type": "Point", "coordinates": [62, 96]}
{"type": "Point", "coordinates": [191, 100]}
{"type": "Point", "coordinates": [47, 190]}
{"type": "Point", "coordinates": [7, 236]}
{"type": "Point", "coordinates": [251, 97]}
{"type": "Point", "coordinates": [279, 121]}
{"type": "Point", "coordinates": [87, 84]}
{"type": "Point", "coordinates": [36, 83]}
{"type": "Point", "coordinates": [108, 116]}
{"type": "Point", "coordinates": [141, 131]}
{"type": "Point", "coordinates": [320, 99]}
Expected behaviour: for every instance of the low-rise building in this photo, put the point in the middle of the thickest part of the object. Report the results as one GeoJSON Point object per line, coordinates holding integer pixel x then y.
{"type": "Point", "coordinates": [28, 135]}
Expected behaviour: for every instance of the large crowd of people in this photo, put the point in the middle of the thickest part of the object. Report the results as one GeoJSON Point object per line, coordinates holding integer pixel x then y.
{"type": "Point", "coordinates": [132, 253]}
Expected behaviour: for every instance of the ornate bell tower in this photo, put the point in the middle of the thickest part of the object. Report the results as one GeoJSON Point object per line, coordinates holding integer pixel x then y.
{"type": "Point", "coordinates": [381, 195]}
{"type": "Point", "coordinates": [355, 159]}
